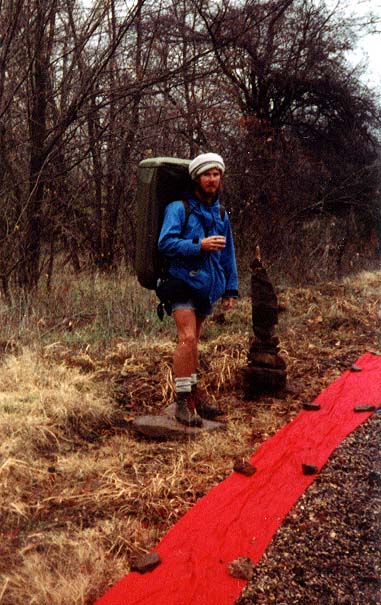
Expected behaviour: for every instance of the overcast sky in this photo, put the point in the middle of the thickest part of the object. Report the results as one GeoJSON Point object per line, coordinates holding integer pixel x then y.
{"type": "Point", "coordinates": [369, 47]}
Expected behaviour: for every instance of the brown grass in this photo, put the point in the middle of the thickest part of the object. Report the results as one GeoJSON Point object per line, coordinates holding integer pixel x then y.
{"type": "Point", "coordinates": [81, 495]}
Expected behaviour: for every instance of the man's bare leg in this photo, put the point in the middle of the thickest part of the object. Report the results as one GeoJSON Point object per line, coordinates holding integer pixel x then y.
{"type": "Point", "coordinates": [185, 364]}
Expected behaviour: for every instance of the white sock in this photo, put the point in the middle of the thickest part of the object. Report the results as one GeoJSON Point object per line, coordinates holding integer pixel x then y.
{"type": "Point", "coordinates": [194, 380]}
{"type": "Point", "coordinates": [183, 385]}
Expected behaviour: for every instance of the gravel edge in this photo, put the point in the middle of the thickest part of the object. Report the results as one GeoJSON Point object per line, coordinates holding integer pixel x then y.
{"type": "Point", "coordinates": [327, 551]}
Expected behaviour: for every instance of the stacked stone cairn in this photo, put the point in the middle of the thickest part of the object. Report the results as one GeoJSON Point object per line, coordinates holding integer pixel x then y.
{"type": "Point", "coordinates": [266, 370]}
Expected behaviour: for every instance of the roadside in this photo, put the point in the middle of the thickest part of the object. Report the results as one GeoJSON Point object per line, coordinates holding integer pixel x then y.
{"type": "Point", "coordinates": [81, 495]}
{"type": "Point", "coordinates": [327, 552]}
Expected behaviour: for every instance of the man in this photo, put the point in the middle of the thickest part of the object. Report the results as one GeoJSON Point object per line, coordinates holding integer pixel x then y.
{"type": "Point", "coordinates": [202, 269]}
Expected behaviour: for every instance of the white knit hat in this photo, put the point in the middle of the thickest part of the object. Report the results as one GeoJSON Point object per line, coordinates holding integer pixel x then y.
{"type": "Point", "coordinates": [205, 162]}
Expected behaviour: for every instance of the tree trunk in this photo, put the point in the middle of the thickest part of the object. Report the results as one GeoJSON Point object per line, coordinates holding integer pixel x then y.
{"type": "Point", "coordinates": [29, 269]}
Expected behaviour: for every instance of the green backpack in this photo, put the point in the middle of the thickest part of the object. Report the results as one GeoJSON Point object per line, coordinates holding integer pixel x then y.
{"type": "Point", "coordinates": [160, 181]}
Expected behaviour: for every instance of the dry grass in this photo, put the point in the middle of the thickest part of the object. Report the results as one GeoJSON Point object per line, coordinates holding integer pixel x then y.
{"type": "Point", "coordinates": [81, 495]}
{"type": "Point", "coordinates": [90, 308]}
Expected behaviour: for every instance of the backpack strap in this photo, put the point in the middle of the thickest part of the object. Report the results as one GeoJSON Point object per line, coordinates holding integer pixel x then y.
{"type": "Point", "coordinates": [188, 212]}
{"type": "Point", "coordinates": [187, 215]}
{"type": "Point", "coordinates": [164, 305]}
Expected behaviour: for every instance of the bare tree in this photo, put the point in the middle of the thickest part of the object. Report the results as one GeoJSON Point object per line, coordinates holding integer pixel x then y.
{"type": "Point", "coordinates": [57, 100]}
{"type": "Point", "coordinates": [302, 108]}
{"type": "Point", "coordinates": [85, 95]}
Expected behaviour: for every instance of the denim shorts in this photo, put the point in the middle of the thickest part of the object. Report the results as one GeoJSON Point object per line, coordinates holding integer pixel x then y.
{"type": "Point", "coordinates": [201, 309]}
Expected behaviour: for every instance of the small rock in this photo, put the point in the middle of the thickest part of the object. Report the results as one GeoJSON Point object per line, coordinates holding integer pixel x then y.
{"type": "Point", "coordinates": [242, 568]}
{"type": "Point", "coordinates": [375, 479]}
{"type": "Point", "coordinates": [257, 380]}
{"type": "Point", "coordinates": [364, 408]}
{"type": "Point", "coordinates": [146, 563]}
{"type": "Point", "coordinates": [312, 407]}
{"type": "Point", "coordinates": [309, 469]}
{"type": "Point", "coordinates": [244, 468]}
{"type": "Point", "coordinates": [355, 368]}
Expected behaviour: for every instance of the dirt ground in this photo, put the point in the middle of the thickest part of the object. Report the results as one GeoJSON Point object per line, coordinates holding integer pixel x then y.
{"type": "Point", "coordinates": [81, 495]}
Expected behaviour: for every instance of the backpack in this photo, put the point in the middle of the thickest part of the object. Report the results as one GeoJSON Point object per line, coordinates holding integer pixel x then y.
{"type": "Point", "coordinates": [160, 181]}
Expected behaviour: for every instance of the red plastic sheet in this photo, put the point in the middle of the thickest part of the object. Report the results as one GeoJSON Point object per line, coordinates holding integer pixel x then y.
{"type": "Point", "coordinates": [240, 516]}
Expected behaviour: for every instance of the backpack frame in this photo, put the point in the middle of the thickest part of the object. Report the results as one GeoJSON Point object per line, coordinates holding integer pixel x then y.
{"type": "Point", "coordinates": [161, 181]}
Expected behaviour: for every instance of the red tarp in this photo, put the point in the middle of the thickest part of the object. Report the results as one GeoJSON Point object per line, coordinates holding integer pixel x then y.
{"type": "Point", "coordinates": [239, 517]}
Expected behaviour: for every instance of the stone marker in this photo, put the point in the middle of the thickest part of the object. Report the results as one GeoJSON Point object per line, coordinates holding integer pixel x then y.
{"type": "Point", "coordinates": [266, 370]}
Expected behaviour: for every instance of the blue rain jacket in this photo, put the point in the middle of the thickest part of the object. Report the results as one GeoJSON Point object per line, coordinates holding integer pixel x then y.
{"type": "Point", "coordinates": [213, 274]}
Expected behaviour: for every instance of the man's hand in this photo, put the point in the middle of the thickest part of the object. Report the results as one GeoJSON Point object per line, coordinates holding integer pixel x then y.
{"type": "Point", "coordinates": [213, 243]}
{"type": "Point", "coordinates": [227, 304]}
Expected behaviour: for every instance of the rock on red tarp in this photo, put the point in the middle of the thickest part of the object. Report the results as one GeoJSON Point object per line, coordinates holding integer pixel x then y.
{"type": "Point", "coordinates": [239, 517]}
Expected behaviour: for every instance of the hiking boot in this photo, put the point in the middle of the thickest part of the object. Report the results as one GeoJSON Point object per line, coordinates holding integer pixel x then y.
{"type": "Point", "coordinates": [185, 410]}
{"type": "Point", "coordinates": [204, 409]}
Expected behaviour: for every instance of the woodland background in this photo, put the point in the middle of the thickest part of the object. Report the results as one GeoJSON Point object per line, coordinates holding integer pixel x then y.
{"type": "Point", "coordinates": [88, 92]}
